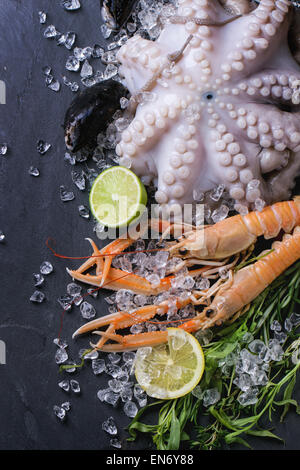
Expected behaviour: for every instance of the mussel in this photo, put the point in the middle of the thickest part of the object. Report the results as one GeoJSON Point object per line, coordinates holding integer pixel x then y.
{"type": "Point", "coordinates": [115, 13]}
{"type": "Point", "coordinates": [90, 113]}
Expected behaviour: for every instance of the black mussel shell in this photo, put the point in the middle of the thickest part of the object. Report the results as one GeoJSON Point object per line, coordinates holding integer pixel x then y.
{"type": "Point", "coordinates": [90, 113]}
{"type": "Point", "coordinates": [115, 13]}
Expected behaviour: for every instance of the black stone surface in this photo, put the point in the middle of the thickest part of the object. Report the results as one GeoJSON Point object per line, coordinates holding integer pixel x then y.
{"type": "Point", "coordinates": [30, 212]}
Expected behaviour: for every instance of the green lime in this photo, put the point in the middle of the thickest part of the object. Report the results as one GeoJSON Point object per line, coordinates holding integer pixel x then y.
{"type": "Point", "coordinates": [117, 197]}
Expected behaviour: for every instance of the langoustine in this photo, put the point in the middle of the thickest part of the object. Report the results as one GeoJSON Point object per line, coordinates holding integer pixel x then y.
{"type": "Point", "coordinates": [223, 300]}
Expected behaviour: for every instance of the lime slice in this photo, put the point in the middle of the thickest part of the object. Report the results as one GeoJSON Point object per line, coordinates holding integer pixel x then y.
{"type": "Point", "coordinates": [117, 197]}
{"type": "Point", "coordinates": [170, 370]}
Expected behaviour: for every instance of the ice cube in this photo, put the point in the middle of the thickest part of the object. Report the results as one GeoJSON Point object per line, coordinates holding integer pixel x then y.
{"type": "Point", "coordinates": [68, 157]}
{"type": "Point", "coordinates": [66, 406]}
{"type": "Point", "coordinates": [109, 426]}
{"type": "Point", "coordinates": [60, 343]}
{"type": "Point", "coordinates": [50, 32]}
{"type": "Point", "coordinates": [211, 396]}
{"type": "Point", "coordinates": [114, 358]}
{"type": "Point", "coordinates": [243, 382]}
{"type": "Point", "coordinates": [82, 53]}
{"type": "Point", "coordinates": [220, 214]}
{"type": "Point", "coordinates": [203, 284]}
{"type": "Point", "coordinates": [140, 300]}
{"type": "Point", "coordinates": [38, 279]}
{"type": "Point", "coordinates": [70, 5]}
{"type": "Point", "coordinates": [124, 299]}
{"type": "Point", "coordinates": [87, 310]}
{"type": "Point", "coordinates": [295, 319]}
{"type": "Point", "coordinates": [197, 392]}
{"type": "Point", "coordinates": [280, 336]}
{"type": "Point", "coordinates": [70, 39]}
{"type": "Point", "coordinates": [137, 329]}
{"type": "Point", "coordinates": [241, 209]}
{"type": "Point", "coordinates": [110, 71]}
{"type": "Point", "coordinates": [46, 70]}
{"type": "Point", "coordinates": [288, 325]}
{"type": "Point", "coordinates": [42, 17]}
{"type": "Point", "coordinates": [106, 31]}
{"type": "Point", "coordinates": [249, 397]}
{"type": "Point", "coordinates": [124, 102]}
{"type": "Point", "coordinates": [257, 346]}
{"type": "Point", "coordinates": [101, 393]}
{"type": "Point", "coordinates": [116, 443]}
{"type": "Point", "coordinates": [64, 385]}
{"type": "Point", "coordinates": [142, 400]}
{"type": "Point", "coordinates": [276, 350]}
{"type": "Point", "coordinates": [78, 179]}
{"type": "Point", "coordinates": [97, 51]}
{"type": "Point", "coordinates": [275, 326]}
{"type": "Point", "coordinates": [217, 193]}
{"type": "Point", "coordinates": [154, 279]}
{"type": "Point", "coordinates": [65, 195]}
{"type": "Point", "coordinates": [126, 394]}
{"type": "Point", "coordinates": [111, 398]}
{"type": "Point", "coordinates": [87, 70]}
{"type": "Point", "coordinates": [93, 292]}
{"type": "Point", "coordinates": [247, 338]}
{"type": "Point", "coordinates": [115, 385]}
{"type": "Point", "coordinates": [66, 302]}
{"type": "Point", "coordinates": [74, 87]}
{"type": "Point", "coordinates": [75, 387]}
{"type": "Point", "coordinates": [46, 268]}
{"type": "Point", "coordinates": [3, 149]}
{"type": "Point", "coordinates": [128, 356]}
{"type": "Point", "coordinates": [33, 171]}
{"type": "Point", "coordinates": [43, 147]}
{"type": "Point", "coordinates": [260, 378]}
{"type": "Point", "coordinates": [61, 356]}
{"type": "Point", "coordinates": [84, 212]}
{"type": "Point", "coordinates": [130, 409]}
{"type": "Point", "coordinates": [259, 204]}
{"type": "Point", "coordinates": [37, 297]}
{"type": "Point", "coordinates": [114, 370]}
{"type": "Point", "coordinates": [59, 412]}
{"type": "Point", "coordinates": [73, 64]}
{"type": "Point", "coordinates": [74, 289]}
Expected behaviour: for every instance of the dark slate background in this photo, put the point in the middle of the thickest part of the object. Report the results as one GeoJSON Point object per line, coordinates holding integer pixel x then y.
{"type": "Point", "coordinates": [30, 212]}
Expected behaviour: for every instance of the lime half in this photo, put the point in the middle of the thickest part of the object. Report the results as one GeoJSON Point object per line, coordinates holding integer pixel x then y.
{"type": "Point", "coordinates": [170, 370]}
{"type": "Point", "coordinates": [117, 197]}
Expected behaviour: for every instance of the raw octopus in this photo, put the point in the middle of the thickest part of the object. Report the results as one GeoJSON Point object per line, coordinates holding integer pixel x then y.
{"type": "Point", "coordinates": [220, 104]}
